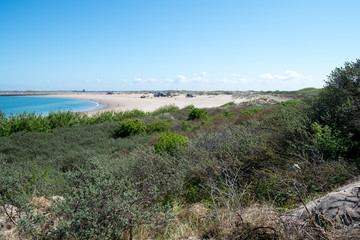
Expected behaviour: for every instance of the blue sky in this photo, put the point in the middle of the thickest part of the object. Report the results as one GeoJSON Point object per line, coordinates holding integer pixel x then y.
{"type": "Point", "coordinates": [177, 44]}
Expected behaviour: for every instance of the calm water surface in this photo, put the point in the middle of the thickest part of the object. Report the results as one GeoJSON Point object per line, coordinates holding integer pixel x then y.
{"type": "Point", "coordinates": [44, 105]}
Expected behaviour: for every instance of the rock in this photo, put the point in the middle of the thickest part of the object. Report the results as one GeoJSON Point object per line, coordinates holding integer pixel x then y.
{"type": "Point", "coordinates": [192, 238]}
{"type": "Point", "coordinates": [7, 227]}
{"type": "Point", "coordinates": [341, 206]}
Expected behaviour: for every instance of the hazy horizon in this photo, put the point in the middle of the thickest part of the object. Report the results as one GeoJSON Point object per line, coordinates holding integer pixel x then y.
{"type": "Point", "coordinates": [152, 90]}
{"type": "Point", "coordinates": [160, 45]}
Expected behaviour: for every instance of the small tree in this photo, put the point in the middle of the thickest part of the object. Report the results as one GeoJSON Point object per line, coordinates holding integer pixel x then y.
{"type": "Point", "coordinates": [338, 104]}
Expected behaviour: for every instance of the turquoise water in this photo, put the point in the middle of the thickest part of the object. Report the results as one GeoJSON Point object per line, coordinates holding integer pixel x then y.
{"type": "Point", "coordinates": [44, 105]}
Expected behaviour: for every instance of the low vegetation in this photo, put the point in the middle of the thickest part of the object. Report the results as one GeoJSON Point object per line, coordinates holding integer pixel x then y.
{"type": "Point", "coordinates": [171, 143]}
{"type": "Point", "coordinates": [197, 113]}
{"type": "Point", "coordinates": [129, 127]}
{"type": "Point", "coordinates": [222, 173]}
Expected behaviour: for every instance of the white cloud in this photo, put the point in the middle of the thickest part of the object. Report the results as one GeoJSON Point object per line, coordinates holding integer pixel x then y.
{"type": "Point", "coordinates": [266, 76]}
{"type": "Point", "coordinates": [287, 76]}
{"type": "Point", "coordinates": [195, 74]}
{"type": "Point", "coordinates": [227, 81]}
{"type": "Point", "coordinates": [203, 74]}
{"type": "Point", "coordinates": [98, 80]}
{"type": "Point", "coordinates": [146, 80]}
{"type": "Point", "coordinates": [200, 80]}
{"type": "Point", "coordinates": [289, 80]}
{"type": "Point", "coordinates": [235, 79]}
{"type": "Point", "coordinates": [170, 80]}
{"type": "Point", "coordinates": [152, 80]}
{"type": "Point", "coordinates": [243, 80]}
{"type": "Point", "coordinates": [238, 78]}
{"type": "Point", "coordinates": [181, 79]}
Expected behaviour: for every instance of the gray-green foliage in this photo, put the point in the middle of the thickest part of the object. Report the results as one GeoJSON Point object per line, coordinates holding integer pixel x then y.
{"type": "Point", "coordinates": [100, 206]}
{"type": "Point", "coordinates": [160, 171]}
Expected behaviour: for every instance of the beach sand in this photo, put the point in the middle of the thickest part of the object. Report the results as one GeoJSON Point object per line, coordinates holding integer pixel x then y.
{"type": "Point", "coordinates": [130, 101]}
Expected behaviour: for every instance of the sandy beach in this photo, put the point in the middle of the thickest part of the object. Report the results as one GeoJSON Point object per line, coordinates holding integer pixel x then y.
{"type": "Point", "coordinates": [130, 101]}
{"type": "Point", "coordinates": [147, 102]}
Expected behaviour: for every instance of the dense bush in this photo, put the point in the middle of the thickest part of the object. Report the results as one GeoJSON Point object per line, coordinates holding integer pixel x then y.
{"type": "Point", "coordinates": [250, 111]}
{"type": "Point", "coordinates": [330, 141]}
{"type": "Point", "coordinates": [197, 113]}
{"type": "Point", "coordinates": [99, 206]}
{"type": "Point", "coordinates": [289, 103]}
{"type": "Point", "coordinates": [129, 127]}
{"type": "Point", "coordinates": [158, 126]}
{"type": "Point", "coordinates": [150, 170]}
{"type": "Point", "coordinates": [228, 114]}
{"type": "Point", "coordinates": [171, 143]}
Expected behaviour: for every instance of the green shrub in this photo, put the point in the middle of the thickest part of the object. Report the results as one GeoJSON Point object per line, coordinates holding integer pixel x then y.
{"type": "Point", "coordinates": [62, 119]}
{"type": "Point", "coordinates": [158, 126]}
{"type": "Point", "coordinates": [165, 109]}
{"type": "Point", "coordinates": [330, 141]}
{"type": "Point", "coordinates": [107, 116]}
{"type": "Point", "coordinates": [5, 127]}
{"type": "Point", "coordinates": [189, 107]}
{"type": "Point", "coordinates": [228, 114]}
{"type": "Point", "coordinates": [129, 127]}
{"type": "Point", "coordinates": [171, 143]}
{"type": "Point", "coordinates": [197, 113]}
{"type": "Point", "coordinates": [228, 104]}
{"type": "Point", "coordinates": [250, 111]}
{"type": "Point", "coordinates": [187, 126]}
{"type": "Point", "coordinates": [29, 122]}
{"type": "Point", "coordinates": [133, 114]}
{"type": "Point", "coordinates": [289, 103]}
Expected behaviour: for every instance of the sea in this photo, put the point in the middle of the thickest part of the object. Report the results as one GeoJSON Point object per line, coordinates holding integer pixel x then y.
{"type": "Point", "coordinates": [44, 105]}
